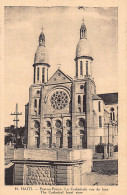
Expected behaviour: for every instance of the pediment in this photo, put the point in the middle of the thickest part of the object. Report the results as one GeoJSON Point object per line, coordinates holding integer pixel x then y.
{"type": "Point", "coordinates": [59, 77]}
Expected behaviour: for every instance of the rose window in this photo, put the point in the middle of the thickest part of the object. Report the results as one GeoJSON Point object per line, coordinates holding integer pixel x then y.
{"type": "Point", "coordinates": [59, 100]}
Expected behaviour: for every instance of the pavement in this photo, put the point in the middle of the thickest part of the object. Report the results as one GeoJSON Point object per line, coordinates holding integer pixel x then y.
{"type": "Point", "coordinates": [96, 178]}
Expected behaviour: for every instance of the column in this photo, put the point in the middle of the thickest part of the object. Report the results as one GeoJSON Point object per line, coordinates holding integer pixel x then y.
{"type": "Point", "coordinates": [65, 139]}
{"type": "Point", "coordinates": [74, 128]}
{"type": "Point", "coordinates": [53, 145]}
{"type": "Point", "coordinates": [43, 138]}
{"type": "Point", "coordinates": [31, 137]}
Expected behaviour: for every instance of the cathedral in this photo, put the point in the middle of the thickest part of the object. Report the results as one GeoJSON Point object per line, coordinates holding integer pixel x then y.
{"type": "Point", "coordinates": [65, 112]}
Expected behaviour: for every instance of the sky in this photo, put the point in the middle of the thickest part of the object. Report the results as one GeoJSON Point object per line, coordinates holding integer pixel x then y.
{"type": "Point", "coordinates": [61, 28]}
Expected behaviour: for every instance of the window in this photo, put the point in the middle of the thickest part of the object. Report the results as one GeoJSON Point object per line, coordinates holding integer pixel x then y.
{"type": "Point", "coordinates": [99, 106]}
{"type": "Point", "coordinates": [35, 103]}
{"type": "Point", "coordinates": [48, 124]}
{"type": "Point", "coordinates": [113, 116]}
{"type": "Point", "coordinates": [79, 99]}
{"type": "Point", "coordinates": [43, 75]}
{"type": "Point", "coordinates": [68, 123]}
{"type": "Point", "coordinates": [82, 122]}
{"type": "Point", "coordinates": [86, 68]}
{"type": "Point", "coordinates": [76, 68]}
{"type": "Point", "coordinates": [100, 121]}
{"type": "Point", "coordinates": [81, 68]}
{"type": "Point", "coordinates": [38, 73]}
{"type": "Point", "coordinates": [100, 139]}
{"type": "Point", "coordinates": [39, 106]}
{"type": "Point", "coordinates": [58, 123]}
{"type": "Point", "coordinates": [79, 109]}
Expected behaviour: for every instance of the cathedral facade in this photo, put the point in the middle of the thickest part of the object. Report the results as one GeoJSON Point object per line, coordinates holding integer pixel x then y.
{"type": "Point", "coordinates": [65, 112]}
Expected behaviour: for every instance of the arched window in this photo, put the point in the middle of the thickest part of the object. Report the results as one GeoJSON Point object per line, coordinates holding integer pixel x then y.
{"type": "Point", "coordinates": [39, 106]}
{"type": "Point", "coordinates": [79, 99]}
{"type": "Point", "coordinates": [99, 106]}
{"type": "Point", "coordinates": [76, 68]}
{"type": "Point", "coordinates": [35, 103]}
{"type": "Point", "coordinates": [38, 73]}
{"type": "Point", "coordinates": [37, 133]}
{"type": "Point", "coordinates": [86, 68]}
{"type": "Point", "coordinates": [100, 121]}
{"type": "Point", "coordinates": [111, 116]}
{"type": "Point", "coordinates": [43, 75]}
{"type": "Point", "coordinates": [81, 68]}
{"type": "Point", "coordinates": [79, 109]}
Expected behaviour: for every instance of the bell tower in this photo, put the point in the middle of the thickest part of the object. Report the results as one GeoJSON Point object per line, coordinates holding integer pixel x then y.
{"type": "Point", "coordinates": [83, 91]}
{"type": "Point", "coordinates": [41, 64]}
{"type": "Point", "coordinates": [83, 55]}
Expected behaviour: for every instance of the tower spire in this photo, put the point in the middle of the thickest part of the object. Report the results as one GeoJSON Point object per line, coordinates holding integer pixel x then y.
{"type": "Point", "coordinates": [42, 38]}
{"type": "Point", "coordinates": [42, 28]}
{"type": "Point", "coordinates": [83, 30]}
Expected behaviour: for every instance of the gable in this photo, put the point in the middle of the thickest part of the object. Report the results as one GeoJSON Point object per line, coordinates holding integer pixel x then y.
{"type": "Point", "coordinates": [59, 77]}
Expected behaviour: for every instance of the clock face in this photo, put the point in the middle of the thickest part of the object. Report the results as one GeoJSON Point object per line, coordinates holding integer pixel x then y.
{"type": "Point", "coordinates": [59, 100]}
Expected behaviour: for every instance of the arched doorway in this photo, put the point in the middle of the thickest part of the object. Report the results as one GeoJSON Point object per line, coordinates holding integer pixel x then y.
{"type": "Point", "coordinates": [82, 138]}
{"type": "Point", "coordinates": [48, 139]}
{"type": "Point", "coordinates": [37, 134]}
{"type": "Point", "coordinates": [69, 139]}
{"type": "Point", "coordinates": [58, 139]}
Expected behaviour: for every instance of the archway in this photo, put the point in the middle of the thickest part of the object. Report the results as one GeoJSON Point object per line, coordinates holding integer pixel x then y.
{"type": "Point", "coordinates": [37, 134]}
{"type": "Point", "coordinates": [69, 139]}
{"type": "Point", "coordinates": [82, 138]}
{"type": "Point", "coordinates": [58, 139]}
{"type": "Point", "coordinates": [48, 139]}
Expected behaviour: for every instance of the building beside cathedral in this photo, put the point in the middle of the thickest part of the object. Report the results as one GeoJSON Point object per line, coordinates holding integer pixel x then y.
{"type": "Point", "coordinates": [65, 112]}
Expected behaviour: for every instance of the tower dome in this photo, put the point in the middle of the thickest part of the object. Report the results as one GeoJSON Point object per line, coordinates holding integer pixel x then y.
{"type": "Point", "coordinates": [83, 47]}
{"type": "Point", "coordinates": [41, 55]}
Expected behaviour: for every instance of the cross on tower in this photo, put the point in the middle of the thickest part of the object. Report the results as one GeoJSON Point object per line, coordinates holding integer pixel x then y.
{"type": "Point", "coordinates": [59, 65]}
{"type": "Point", "coordinates": [42, 28]}
{"type": "Point", "coordinates": [83, 20]}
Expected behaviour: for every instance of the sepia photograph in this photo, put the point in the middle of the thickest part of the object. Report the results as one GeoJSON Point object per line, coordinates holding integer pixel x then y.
{"type": "Point", "coordinates": [61, 94]}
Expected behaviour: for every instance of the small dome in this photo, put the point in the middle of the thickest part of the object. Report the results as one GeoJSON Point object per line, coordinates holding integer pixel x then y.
{"type": "Point", "coordinates": [41, 55]}
{"type": "Point", "coordinates": [83, 48]}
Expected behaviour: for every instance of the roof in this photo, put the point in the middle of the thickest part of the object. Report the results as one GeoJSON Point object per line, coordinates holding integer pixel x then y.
{"type": "Point", "coordinates": [41, 55]}
{"type": "Point", "coordinates": [96, 97]}
{"type": "Point", "coordinates": [109, 98]}
{"type": "Point", "coordinates": [83, 48]}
